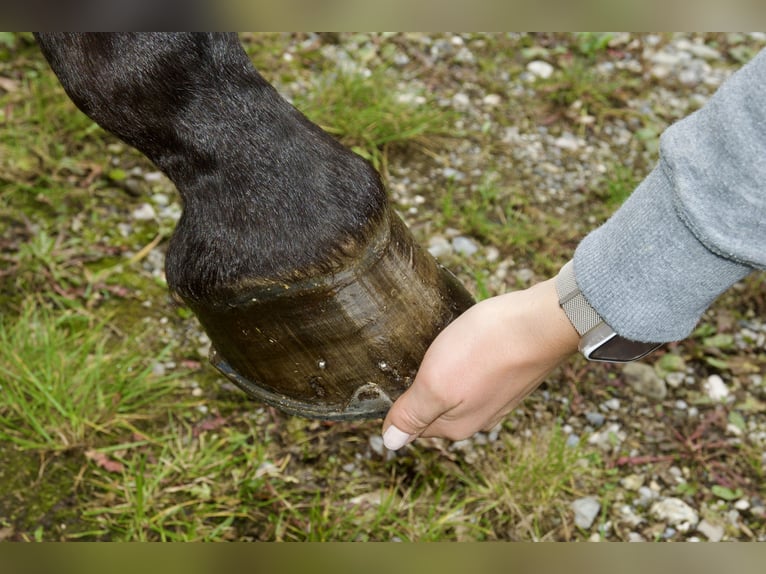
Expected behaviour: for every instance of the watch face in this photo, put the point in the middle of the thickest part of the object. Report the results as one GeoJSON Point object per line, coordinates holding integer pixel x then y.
{"type": "Point", "coordinates": [603, 344]}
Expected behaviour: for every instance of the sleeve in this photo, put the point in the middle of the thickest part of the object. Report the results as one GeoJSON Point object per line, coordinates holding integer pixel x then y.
{"type": "Point", "coordinates": [694, 227]}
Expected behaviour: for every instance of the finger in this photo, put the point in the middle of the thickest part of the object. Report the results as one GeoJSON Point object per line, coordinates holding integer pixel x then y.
{"type": "Point", "coordinates": [410, 415]}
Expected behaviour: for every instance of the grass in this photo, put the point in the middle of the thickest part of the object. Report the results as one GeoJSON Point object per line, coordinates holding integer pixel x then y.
{"type": "Point", "coordinates": [618, 185]}
{"type": "Point", "coordinates": [103, 445]}
{"type": "Point", "coordinates": [226, 484]}
{"type": "Point", "coordinates": [369, 116]}
{"type": "Point", "coordinates": [67, 379]}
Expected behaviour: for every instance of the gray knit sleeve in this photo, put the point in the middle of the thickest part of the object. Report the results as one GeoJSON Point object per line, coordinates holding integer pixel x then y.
{"type": "Point", "coordinates": [695, 225]}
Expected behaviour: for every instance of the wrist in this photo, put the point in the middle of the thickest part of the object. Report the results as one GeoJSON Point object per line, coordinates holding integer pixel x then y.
{"type": "Point", "coordinates": [536, 315]}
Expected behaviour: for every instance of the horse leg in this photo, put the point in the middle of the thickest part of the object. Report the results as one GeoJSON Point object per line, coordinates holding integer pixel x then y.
{"type": "Point", "coordinates": [314, 293]}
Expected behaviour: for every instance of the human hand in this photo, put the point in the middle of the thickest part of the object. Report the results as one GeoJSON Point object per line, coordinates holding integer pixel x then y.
{"type": "Point", "coordinates": [482, 365]}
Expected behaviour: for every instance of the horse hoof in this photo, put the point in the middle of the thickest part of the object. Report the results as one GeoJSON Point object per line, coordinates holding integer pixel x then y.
{"type": "Point", "coordinates": [340, 346]}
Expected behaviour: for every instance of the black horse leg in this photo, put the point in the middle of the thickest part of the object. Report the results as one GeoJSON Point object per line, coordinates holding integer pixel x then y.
{"type": "Point", "coordinates": [312, 290]}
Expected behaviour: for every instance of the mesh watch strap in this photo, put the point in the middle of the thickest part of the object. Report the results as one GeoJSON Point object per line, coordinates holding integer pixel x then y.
{"type": "Point", "coordinates": [582, 316]}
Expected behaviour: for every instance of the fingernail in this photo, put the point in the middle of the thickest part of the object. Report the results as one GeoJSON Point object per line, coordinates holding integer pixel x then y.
{"type": "Point", "coordinates": [394, 439]}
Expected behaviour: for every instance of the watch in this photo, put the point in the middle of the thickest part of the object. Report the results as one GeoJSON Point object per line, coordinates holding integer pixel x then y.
{"type": "Point", "coordinates": [598, 341]}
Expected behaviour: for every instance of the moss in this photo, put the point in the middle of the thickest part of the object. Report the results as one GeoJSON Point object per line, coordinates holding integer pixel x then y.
{"type": "Point", "coordinates": [40, 496]}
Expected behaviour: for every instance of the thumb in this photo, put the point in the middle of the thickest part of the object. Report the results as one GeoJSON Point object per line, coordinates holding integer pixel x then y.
{"type": "Point", "coordinates": [409, 416]}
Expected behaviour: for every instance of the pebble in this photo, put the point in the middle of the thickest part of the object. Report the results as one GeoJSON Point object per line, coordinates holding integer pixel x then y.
{"type": "Point", "coordinates": [646, 495]}
{"type": "Point", "coordinates": [612, 404]}
{"type": "Point", "coordinates": [594, 418]}
{"type": "Point", "coordinates": [569, 142]}
{"type": "Point", "coordinates": [494, 432]}
{"type": "Point", "coordinates": [715, 388]}
{"type": "Point", "coordinates": [461, 100]}
{"type": "Point", "coordinates": [676, 512]}
{"type": "Point", "coordinates": [464, 246]}
{"type": "Point", "coordinates": [540, 69]}
{"type": "Point", "coordinates": [632, 482]}
{"type": "Point", "coordinates": [376, 444]}
{"type": "Point", "coordinates": [525, 275]}
{"type": "Point", "coordinates": [713, 532]}
{"type": "Point", "coordinates": [643, 379]}
{"type": "Point", "coordinates": [154, 176]}
{"type": "Point", "coordinates": [629, 517]}
{"type": "Point", "coordinates": [669, 533]}
{"type": "Point", "coordinates": [609, 438]}
{"type": "Point", "coordinates": [586, 509]}
{"type": "Point", "coordinates": [161, 199]}
{"type": "Point", "coordinates": [759, 511]}
{"type": "Point", "coordinates": [699, 50]}
{"type": "Point", "coordinates": [491, 100]}
{"type": "Point", "coordinates": [144, 212]}
{"type": "Point", "coordinates": [675, 380]}
{"type": "Point", "coordinates": [439, 246]}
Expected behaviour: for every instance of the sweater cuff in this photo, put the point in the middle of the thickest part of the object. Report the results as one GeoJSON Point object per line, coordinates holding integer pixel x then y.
{"type": "Point", "coordinates": [646, 273]}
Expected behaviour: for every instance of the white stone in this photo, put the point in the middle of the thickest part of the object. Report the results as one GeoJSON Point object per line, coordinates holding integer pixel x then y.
{"type": "Point", "coordinates": [161, 199]}
{"type": "Point", "coordinates": [646, 495]}
{"type": "Point", "coordinates": [464, 246]}
{"type": "Point", "coordinates": [675, 380]}
{"type": "Point", "coordinates": [665, 60]}
{"type": "Point", "coordinates": [491, 100]}
{"type": "Point", "coordinates": [586, 509]}
{"type": "Point", "coordinates": [525, 275]}
{"type": "Point", "coordinates": [715, 388]}
{"type": "Point", "coordinates": [676, 512]}
{"type": "Point", "coordinates": [540, 69]}
{"type": "Point", "coordinates": [461, 100]}
{"type": "Point", "coordinates": [712, 532]}
{"type": "Point", "coordinates": [704, 52]}
{"type": "Point", "coordinates": [612, 404]}
{"type": "Point", "coordinates": [609, 438]}
{"type": "Point", "coordinates": [568, 141]}
{"type": "Point", "coordinates": [144, 212]}
{"type": "Point", "coordinates": [629, 517]}
{"type": "Point", "coordinates": [439, 246]}
{"type": "Point", "coordinates": [632, 482]}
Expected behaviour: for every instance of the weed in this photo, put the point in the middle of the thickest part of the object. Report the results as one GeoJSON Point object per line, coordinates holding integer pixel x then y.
{"type": "Point", "coordinates": [66, 380]}
{"type": "Point", "coordinates": [590, 44]}
{"type": "Point", "coordinates": [367, 114]}
{"type": "Point", "coordinates": [618, 185]}
{"type": "Point", "coordinates": [522, 486]}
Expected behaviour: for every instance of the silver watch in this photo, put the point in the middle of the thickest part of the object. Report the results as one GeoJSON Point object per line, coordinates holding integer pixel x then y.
{"type": "Point", "coordinates": [598, 341]}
